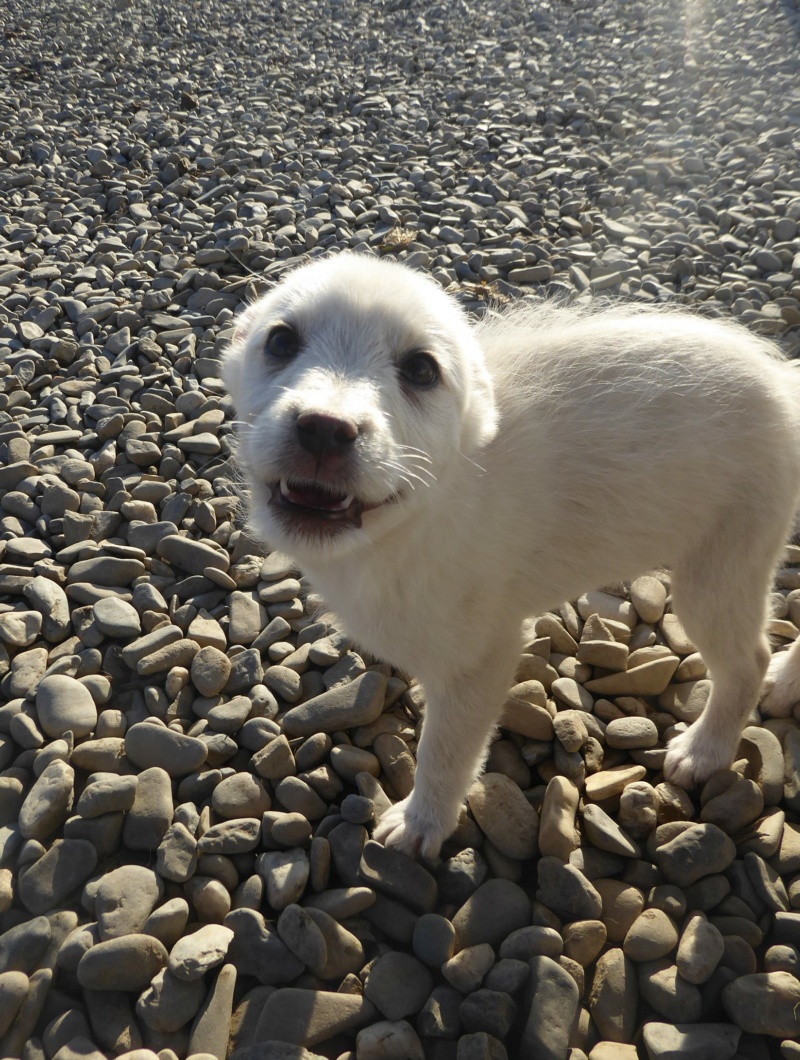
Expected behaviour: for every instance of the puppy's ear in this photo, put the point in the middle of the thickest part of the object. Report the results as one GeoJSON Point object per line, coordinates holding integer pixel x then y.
{"type": "Point", "coordinates": [233, 358]}
{"type": "Point", "coordinates": [481, 420]}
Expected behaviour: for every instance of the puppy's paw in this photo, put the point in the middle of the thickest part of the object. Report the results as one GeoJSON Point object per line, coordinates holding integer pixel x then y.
{"type": "Point", "coordinates": [693, 756]}
{"type": "Point", "coordinates": [413, 830]}
{"type": "Point", "coordinates": [781, 688]}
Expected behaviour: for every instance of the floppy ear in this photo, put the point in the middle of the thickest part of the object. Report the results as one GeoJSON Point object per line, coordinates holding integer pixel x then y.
{"type": "Point", "coordinates": [481, 419]}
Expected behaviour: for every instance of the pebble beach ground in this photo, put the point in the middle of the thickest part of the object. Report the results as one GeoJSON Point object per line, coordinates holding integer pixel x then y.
{"type": "Point", "coordinates": [190, 762]}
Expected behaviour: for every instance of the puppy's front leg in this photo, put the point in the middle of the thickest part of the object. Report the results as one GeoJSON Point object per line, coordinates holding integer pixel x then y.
{"type": "Point", "coordinates": [460, 715]}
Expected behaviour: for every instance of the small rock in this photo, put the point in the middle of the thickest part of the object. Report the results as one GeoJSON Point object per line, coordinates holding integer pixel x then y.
{"type": "Point", "coordinates": [764, 1003]}
{"type": "Point", "coordinates": [551, 1000]}
{"type": "Point", "coordinates": [389, 1040]}
{"type": "Point", "coordinates": [497, 908]}
{"type": "Point", "coordinates": [700, 950]}
{"type": "Point", "coordinates": [398, 985]}
{"type": "Point", "coordinates": [357, 703]}
{"type": "Point", "coordinates": [652, 935]}
{"type": "Point", "coordinates": [700, 850]}
{"type": "Point", "coordinates": [505, 816]}
{"type": "Point", "coordinates": [195, 954]}
{"type": "Point", "coordinates": [127, 963]}
{"type": "Point", "coordinates": [65, 705]}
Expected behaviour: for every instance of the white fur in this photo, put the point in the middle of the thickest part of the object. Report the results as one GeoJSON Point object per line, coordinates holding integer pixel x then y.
{"type": "Point", "coordinates": [563, 449]}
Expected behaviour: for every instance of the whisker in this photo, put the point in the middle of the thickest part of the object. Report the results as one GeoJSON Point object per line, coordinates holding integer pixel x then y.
{"type": "Point", "coordinates": [405, 473]}
{"type": "Point", "coordinates": [412, 456]}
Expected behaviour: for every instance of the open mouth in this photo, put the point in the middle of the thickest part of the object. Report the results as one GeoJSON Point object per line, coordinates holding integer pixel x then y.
{"type": "Point", "coordinates": [319, 505]}
{"type": "Point", "coordinates": [315, 499]}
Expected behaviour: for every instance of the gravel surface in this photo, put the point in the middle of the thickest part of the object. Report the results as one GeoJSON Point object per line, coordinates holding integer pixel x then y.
{"type": "Point", "coordinates": [190, 762]}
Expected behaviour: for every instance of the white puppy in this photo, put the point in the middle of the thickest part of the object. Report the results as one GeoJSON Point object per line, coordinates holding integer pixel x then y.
{"type": "Point", "coordinates": [438, 482]}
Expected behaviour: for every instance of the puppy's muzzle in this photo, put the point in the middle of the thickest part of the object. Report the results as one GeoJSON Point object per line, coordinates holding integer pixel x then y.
{"type": "Point", "coordinates": [323, 435]}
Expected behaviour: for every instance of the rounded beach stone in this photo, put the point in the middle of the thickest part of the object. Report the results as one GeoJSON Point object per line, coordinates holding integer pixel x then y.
{"type": "Point", "coordinates": [168, 1003]}
{"type": "Point", "coordinates": [694, 1041]}
{"type": "Point", "coordinates": [672, 997]}
{"type": "Point", "coordinates": [557, 833]}
{"type": "Point", "coordinates": [127, 963]}
{"type": "Point", "coordinates": [124, 900]}
{"type": "Point", "coordinates": [389, 1040]}
{"type": "Point", "coordinates": [652, 935]}
{"type": "Point", "coordinates": [583, 940]}
{"type": "Point", "coordinates": [195, 954]}
{"type": "Point", "coordinates": [149, 818]}
{"type": "Point", "coordinates": [764, 1003]}
{"type": "Point", "coordinates": [57, 873]}
{"type": "Point", "coordinates": [465, 971]}
{"type": "Point", "coordinates": [565, 891]}
{"type": "Point", "coordinates": [311, 1016]}
{"type": "Point", "coordinates": [48, 803]}
{"type": "Point", "coordinates": [357, 703]}
{"type": "Point", "coordinates": [613, 996]}
{"type": "Point", "coordinates": [398, 985]}
{"type": "Point", "coordinates": [700, 950]}
{"type": "Point", "coordinates": [13, 991]}
{"type": "Point", "coordinates": [241, 795]}
{"type": "Point", "coordinates": [22, 945]}
{"type": "Point", "coordinates": [148, 744]}
{"type": "Point", "coordinates": [65, 705]}
{"type": "Point", "coordinates": [551, 1000]}
{"type": "Point", "coordinates": [631, 733]}
{"type": "Point", "coordinates": [117, 618]}
{"type": "Point", "coordinates": [505, 816]}
{"type": "Point", "coordinates": [397, 876]}
{"type": "Point", "coordinates": [210, 670]}
{"type": "Point", "coordinates": [497, 908]}
{"type": "Point", "coordinates": [700, 850]}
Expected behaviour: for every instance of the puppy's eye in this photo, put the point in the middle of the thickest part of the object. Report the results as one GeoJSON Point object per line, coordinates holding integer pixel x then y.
{"type": "Point", "coordinates": [282, 342]}
{"type": "Point", "coordinates": [420, 370]}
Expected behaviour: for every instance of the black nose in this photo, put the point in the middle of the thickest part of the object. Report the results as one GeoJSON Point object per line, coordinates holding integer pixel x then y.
{"type": "Point", "coordinates": [325, 435]}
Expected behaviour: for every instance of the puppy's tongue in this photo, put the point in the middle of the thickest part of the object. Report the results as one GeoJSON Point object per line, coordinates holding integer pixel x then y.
{"type": "Point", "coordinates": [315, 497]}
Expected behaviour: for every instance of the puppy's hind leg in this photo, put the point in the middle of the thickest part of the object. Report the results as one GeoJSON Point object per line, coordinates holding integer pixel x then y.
{"type": "Point", "coordinates": [460, 714]}
{"type": "Point", "coordinates": [719, 594]}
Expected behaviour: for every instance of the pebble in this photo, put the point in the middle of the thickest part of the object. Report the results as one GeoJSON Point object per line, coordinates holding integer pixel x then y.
{"type": "Point", "coordinates": [306, 1017]}
{"type": "Point", "coordinates": [565, 891]}
{"type": "Point", "coordinates": [692, 1041]}
{"type": "Point", "coordinates": [389, 1040]}
{"type": "Point", "coordinates": [148, 744]}
{"type": "Point", "coordinates": [65, 705]}
{"type": "Point", "coordinates": [465, 971]}
{"type": "Point", "coordinates": [398, 985]}
{"type": "Point", "coordinates": [169, 1003]}
{"type": "Point", "coordinates": [127, 963]}
{"type": "Point", "coordinates": [491, 913]}
{"type": "Point", "coordinates": [700, 950]}
{"type": "Point", "coordinates": [613, 996]}
{"type": "Point", "coordinates": [652, 935]}
{"type": "Point", "coordinates": [124, 900]}
{"type": "Point", "coordinates": [195, 954]}
{"type": "Point", "coordinates": [149, 818]}
{"type": "Point", "coordinates": [48, 802]}
{"type": "Point", "coordinates": [397, 876]}
{"type": "Point", "coordinates": [505, 816]}
{"type": "Point", "coordinates": [54, 875]}
{"type": "Point", "coordinates": [700, 850]}
{"type": "Point", "coordinates": [357, 703]}
{"type": "Point", "coordinates": [285, 874]}
{"type": "Point", "coordinates": [764, 1003]}
{"type": "Point", "coordinates": [664, 990]}
{"type": "Point", "coordinates": [551, 1000]}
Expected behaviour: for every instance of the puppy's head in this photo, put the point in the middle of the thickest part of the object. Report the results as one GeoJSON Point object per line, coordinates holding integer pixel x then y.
{"type": "Point", "coordinates": [358, 386]}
